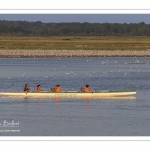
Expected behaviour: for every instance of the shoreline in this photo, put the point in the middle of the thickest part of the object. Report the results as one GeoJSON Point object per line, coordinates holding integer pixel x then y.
{"type": "Point", "coordinates": [73, 53]}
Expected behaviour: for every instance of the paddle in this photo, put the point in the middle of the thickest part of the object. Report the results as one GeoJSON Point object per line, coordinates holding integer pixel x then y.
{"type": "Point", "coordinates": [26, 92]}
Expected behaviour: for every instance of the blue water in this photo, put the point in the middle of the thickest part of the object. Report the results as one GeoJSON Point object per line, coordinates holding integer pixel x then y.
{"type": "Point", "coordinates": [76, 117]}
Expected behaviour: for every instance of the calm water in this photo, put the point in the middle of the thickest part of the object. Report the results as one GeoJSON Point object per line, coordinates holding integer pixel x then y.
{"type": "Point", "coordinates": [76, 117]}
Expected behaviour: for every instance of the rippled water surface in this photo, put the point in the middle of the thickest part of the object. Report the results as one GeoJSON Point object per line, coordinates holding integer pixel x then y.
{"type": "Point", "coordinates": [127, 116]}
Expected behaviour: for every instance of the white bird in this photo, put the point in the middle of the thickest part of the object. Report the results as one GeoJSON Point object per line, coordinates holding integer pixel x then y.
{"type": "Point", "coordinates": [105, 72]}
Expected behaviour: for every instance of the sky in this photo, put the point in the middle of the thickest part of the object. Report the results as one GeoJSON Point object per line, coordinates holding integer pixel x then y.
{"type": "Point", "coordinates": [102, 11]}
{"type": "Point", "coordinates": [91, 18]}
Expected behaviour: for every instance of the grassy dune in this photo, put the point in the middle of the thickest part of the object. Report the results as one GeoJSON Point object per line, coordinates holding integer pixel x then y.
{"type": "Point", "coordinates": [75, 43]}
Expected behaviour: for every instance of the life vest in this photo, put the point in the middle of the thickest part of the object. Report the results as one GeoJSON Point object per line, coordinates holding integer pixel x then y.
{"type": "Point", "coordinates": [26, 89]}
{"type": "Point", "coordinates": [86, 89]}
{"type": "Point", "coordinates": [57, 89]}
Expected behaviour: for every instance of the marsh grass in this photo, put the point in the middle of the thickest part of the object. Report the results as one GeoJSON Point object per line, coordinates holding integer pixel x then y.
{"type": "Point", "coordinates": [75, 43]}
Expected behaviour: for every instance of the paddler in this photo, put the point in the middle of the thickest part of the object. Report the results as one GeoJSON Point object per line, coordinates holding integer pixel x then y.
{"type": "Point", "coordinates": [26, 89]}
{"type": "Point", "coordinates": [56, 88]}
{"type": "Point", "coordinates": [86, 88]}
{"type": "Point", "coordinates": [38, 88]}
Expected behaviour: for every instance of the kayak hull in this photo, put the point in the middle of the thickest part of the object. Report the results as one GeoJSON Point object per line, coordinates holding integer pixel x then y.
{"type": "Point", "coordinates": [72, 94]}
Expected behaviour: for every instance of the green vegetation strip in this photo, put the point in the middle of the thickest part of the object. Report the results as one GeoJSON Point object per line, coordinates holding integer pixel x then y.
{"type": "Point", "coordinates": [122, 91]}
{"type": "Point", "coordinates": [75, 43]}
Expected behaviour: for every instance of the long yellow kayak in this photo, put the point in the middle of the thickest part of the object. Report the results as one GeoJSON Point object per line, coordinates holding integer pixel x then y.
{"type": "Point", "coordinates": [73, 93]}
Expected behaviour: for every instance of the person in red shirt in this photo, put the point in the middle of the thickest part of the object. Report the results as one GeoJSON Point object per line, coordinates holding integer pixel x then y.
{"type": "Point", "coordinates": [38, 88]}
{"type": "Point", "coordinates": [86, 88]}
{"type": "Point", "coordinates": [56, 88]}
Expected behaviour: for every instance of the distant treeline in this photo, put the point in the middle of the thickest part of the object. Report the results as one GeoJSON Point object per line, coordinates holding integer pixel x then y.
{"type": "Point", "coordinates": [24, 28]}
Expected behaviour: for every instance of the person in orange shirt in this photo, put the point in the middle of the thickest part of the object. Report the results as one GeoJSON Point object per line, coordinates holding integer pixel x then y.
{"type": "Point", "coordinates": [38, 88]}
{"type": "Point", "coordinates": [86, 88]}
{"type": "Point", "coordinates": [56, 88]}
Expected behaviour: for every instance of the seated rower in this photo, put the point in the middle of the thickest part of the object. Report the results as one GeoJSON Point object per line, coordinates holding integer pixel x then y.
{"type": "Point", "coordinates": [86, 88]}
{"type": "Point", "coordinates": [56, 88]}
{"type": "Point", "coordinates": [38, 88]}
{"type": "Point", "coordinates": [26, 89]}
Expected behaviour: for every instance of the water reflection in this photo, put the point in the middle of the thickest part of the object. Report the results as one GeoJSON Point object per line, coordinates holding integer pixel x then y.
{"type": "Point", "coordinates": [57, 99]}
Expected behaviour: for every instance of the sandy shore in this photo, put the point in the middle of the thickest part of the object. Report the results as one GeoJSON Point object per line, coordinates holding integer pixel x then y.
{"type": "Point", "coordinates": [72, 53]}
